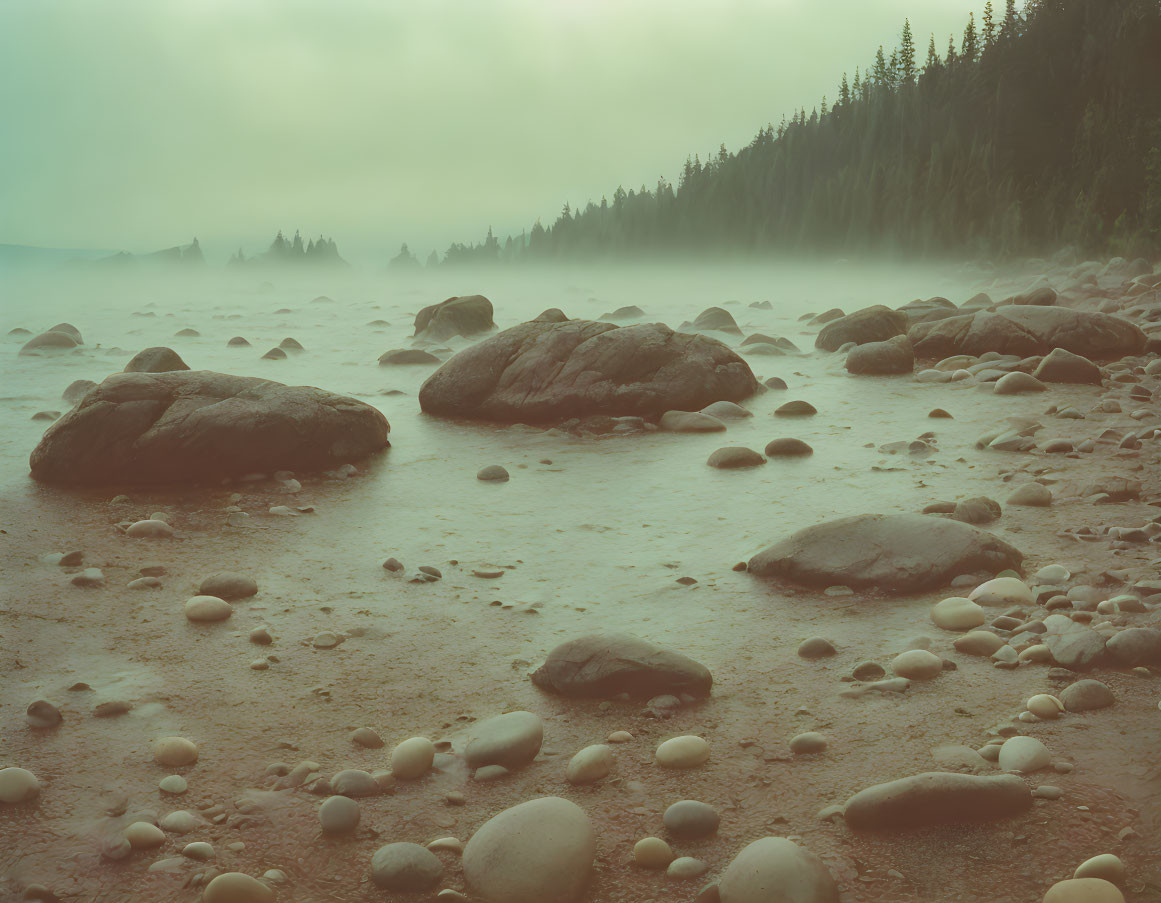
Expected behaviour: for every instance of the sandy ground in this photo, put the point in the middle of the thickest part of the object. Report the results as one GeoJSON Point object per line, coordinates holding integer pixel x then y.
{"type": "Point", "coordinates": [429, 659]}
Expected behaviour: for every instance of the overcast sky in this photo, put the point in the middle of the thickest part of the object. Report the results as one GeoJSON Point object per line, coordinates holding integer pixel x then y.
{"type": "Point", "coordinates": [137, 124]}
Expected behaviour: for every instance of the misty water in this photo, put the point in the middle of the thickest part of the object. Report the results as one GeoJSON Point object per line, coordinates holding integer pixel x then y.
{"type": "Point", "coordinates": [592, 534]}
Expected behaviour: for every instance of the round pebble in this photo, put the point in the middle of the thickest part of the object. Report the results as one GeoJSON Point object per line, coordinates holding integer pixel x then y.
{"type": "Point", "coordinates": [18, 785]}
{"type": "Point", "coordinates": [682, 752]}
{"type": "Point", "coordinates": [652, 853]}
{"type": "Point", "coordinates": [1044, 706]}
{"type": "Point", "coordinates": [689, 819]}
{"type": "Point", "coordinates": [236, 887]}
{"type": "Point", "coordinates": [957, 613]}
{"type": "Point", "coordinates": [815, 647]}
{"type": "Point", "coordinates": [917, 664]}
{"type": "Point", "coordinates": [175, 751]}
{"type": "Point", "coordinates": [589, 765]}
{"type": "Point", "coordinates": [1084, 890]}
{"type": "Point", "coordinates": [809, 742]}
{"type": "Point", "coordinates": [412, 758]}
{"type": "Point", "coordinates": [174, 784]}
{"type": "Point", "coordinates": [405, 867]}
{"type": "Point", "coordinates": [199, 850]}
{"type": "Point", "coordinates": [1024, 754]}
{"type": "Point", "coordinates": [144, 836]}
{"type": "Point", "coordinates": [208, 608]}
{"type": "Point", "coordinates": [686, 867]}
{"type": "Point", "coordinates": [1105, 866]}
{"type": "Point", "coordinates": [338, 815]}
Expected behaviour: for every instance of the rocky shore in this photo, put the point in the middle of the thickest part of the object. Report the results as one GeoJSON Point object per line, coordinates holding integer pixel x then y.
{"type": "Point", "coordinates": [949, 691]}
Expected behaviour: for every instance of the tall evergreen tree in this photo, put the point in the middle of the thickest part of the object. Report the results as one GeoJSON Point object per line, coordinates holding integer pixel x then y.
{"type": "Point", "coordinates": [907, 55]}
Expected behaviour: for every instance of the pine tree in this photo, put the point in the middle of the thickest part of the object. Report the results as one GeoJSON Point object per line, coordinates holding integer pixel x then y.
{"type": "Point", "coordinates": [880, 77]}
{"type": "Point", "coordinates": [989, 26]}
{"type": "Point", "coordinates": [932, 57]}
{"type": "Point", "coordinates": [907, 55]}
{"type": "Point", "coordinates": [1010, 27]}
{"type": "Point", "coordinates": [970, 48]}
{"type": "Point", "coordinates": [844, 92]}
{"type": "Point", "coordinates": [951, 57]}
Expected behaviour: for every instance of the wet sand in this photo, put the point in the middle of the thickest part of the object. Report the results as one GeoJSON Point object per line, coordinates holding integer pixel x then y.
{"type": "Point", "coordinates": [593, 541]}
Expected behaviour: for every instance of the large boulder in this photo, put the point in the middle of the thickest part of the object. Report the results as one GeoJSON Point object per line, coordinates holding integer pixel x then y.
{"type": "Point", "coordinates": [931, 309]}
{"type": "Point", "coordinates": [606, 664]}
{"type": "Point", "coordinates": [936, 798]}
{"type": "Point", "coordinates": [156, 360]}
{"type": "Point", "coordinates": [49, 341]}
{"type": "Point", "coordinates": [894, 552]}
{"type": "Point", "coordinates": [888, 358]}
{"type": "Point", "coordinates": [716, 319]}
{"type": "Point", "coordinates": [542, 371]}
{"type": "Point", "coordinates": [871, 324]}
{"type": "Point", "coordinates": [190, 425]}
{"type": "Point", "coordinates": [462, 316]}
{"type": "Point", "coordinates": [1027, 330]}
{"type": "Point", "coordinates": [777, 870]}
{"type": "Point", "coordinates": [536, 852]}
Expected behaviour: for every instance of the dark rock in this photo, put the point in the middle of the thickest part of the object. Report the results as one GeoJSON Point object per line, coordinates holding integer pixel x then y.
{"type": "Point", "coordinates": [631, 312]}
{"type": "Point", "coordinates": [691, 819]}
{"type": "Point", "coordinates": [1062, 366]}
{"type": "Point", "coordinates": [237, 342]}
{"type": "Point", "coordinates": [733, 457]}
{"type": "Point", "coordinates": [1136, 646]}
{"type": "Point", "coordinates": [1086, 696]}
{"type": "Point", "coordinates": [1040, 297]}
{"type": "Point", "coordinates": [541, 371]}
{"type": "Point", "coordinates": [192, 425]}
{"type": "Point", "coordinates": [871, 324]}
{"type": "Point", "coordinates": [782, 448]}
{"type": "Point", "coordinates": [607, 664]}
{"type": "Point", "coordinates": [775, 382]}
{"type": "Point", "coordinates": [462, 316]}
{"type": "Point", "coordinates": [69, 330]}
{"type": "Point", "coordinates": [552, 315]}
{"type": "Point", "coordinates": [77, 390]}
{"type": "Point", "coordinates": [289, 344]}
{"type": "Point", "coordinates": [894, 552]}
{"type": "Point", "coordinates": [1026, 330]}
{"type": "Point", "coordinates": [893, 356]}
{"type": "Point", "coordinates": [49, 341]}
{"type": "Point", "coordinates": [936, 798]}
{"type": "Point", "coordinates": [407, 356]}
{"type": "Point", "coordinates": [1080, 649]}
{"type": "Point", "coordinates": [274, 354]}
{"type": "Point", "coordinates": [796, 408]}
{"type": "Point", "coordinates": [716, 319]}
{"type": "Point", "coordinates": [978, 510]}
{"type": "Point", "coordinates": [155, 360]}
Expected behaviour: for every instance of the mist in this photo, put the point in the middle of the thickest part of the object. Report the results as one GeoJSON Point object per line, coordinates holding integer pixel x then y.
{"type": "Point", "coordinates": [137, 126]}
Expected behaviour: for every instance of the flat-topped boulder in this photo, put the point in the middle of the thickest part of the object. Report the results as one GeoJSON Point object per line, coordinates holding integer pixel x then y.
{"type": "Point", "coordinates": [606, 664]}
{"type": "Point", "coordinates": [871, 324]}
{"type": "Point", "coordinates": [1028, 330]}
{"type": "Point", "coordinates": [893, 552]}
{"type": "Point", "coordinates": [156, 360]}
{"type": "Point", "coordinates": [891, 357]}
{"type": "Point", "coordinates": [190, 425]}
{"type": "Point", "coordinates": [544, 371]}
{"type": "Point", "coordinates": [460, 316]}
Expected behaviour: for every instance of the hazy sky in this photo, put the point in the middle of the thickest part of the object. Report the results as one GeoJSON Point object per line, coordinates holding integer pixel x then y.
{"type": "Point", "coordinates": [137, 124]}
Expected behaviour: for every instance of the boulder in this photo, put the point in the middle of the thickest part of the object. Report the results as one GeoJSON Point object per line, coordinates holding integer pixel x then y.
{"type": "Point", "coordinates": [607, 664]}
{"type": "Point", "coordinates": [1084, 890]}
{"type": "Point", "coordinates": [1038, 297]}
{"type": "Point", "coordinates": [893, 552]}
{"type": "Point", "coordinates": [716, 319]}
{"type": "Point", "coordinates": [1062, 366]}
{"type": "Point", "coordinates": [1135, 647]}
{"type": "Point", "coordinates": [1079, 648]}
{"type": "Point", "coordinates": [1027, 330]}
{"type": "Point", "coordinates": [155, 360]}
{"type": "Point", "coordinates": [542, 371]}
{"type": "Point", "coordinates": [461, 316]}
{"type": "Point", "coordinates": [690, 422]}
{"type": "Point", "coordinates": [77, 390]}
{"type": "Point", "coordinates": [407, 356]}
{"type": "Point", "coordinates": [871, 324]}
{"type": "Point", "coordinates": [69, 330]}
{"type": "Point", "coordinates": [931, 309]}
{"type": "Point", "coordinates": [891, 357]}
{"type": "Point", "coordinates": [936, 798]}
{"type": "Point", "coordinates": [777, 870]}
{"type": "Point", "coordinates": [552, 315]}
{"type": "Point", "coordinates": [733, 457]}
{"type": "Point", "coordinates": [1018, 383]}
{"type": "Point", "coordinates": [787, 448]}
{"type": "Point", "coordinates": [405, 867]}
{"type": "Point", "coordinates": [632, 312]}
{"type": "Point", "coordinates": [1086, 696]}
{"type": "Point", "coordinates": [191, 425]}
{"type": "Point", "coordinates": [49, 341]}
{"type": "Point", "coordinates": [536, 852]}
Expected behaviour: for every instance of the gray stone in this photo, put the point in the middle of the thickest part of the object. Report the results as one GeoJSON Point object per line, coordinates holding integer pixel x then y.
{"type": "Point", "coordinates": [405, 867]}
{"type": "Point", "coordinates": [607, 664]}
{"type": "Point", "coordinates": [936, 798]}
{"type": "Point", "coordinates": [511, 740]}
{"type": "Point", "coordinates": [898, 552]}
{"type": "Point", "coordinates": [690, 819]}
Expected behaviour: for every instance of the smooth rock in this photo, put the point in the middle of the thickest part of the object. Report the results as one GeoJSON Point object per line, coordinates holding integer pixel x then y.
{"type": "Point", "coordinates": [936, 798]}
{"type": "Point", "coordinates": [1084, 890]}
{"type": "Point", "coordinates": [1086, 695]}
{"type": "Point", "coordinates": [412, 758]}
{"type": "Point", "coordinates": [175, 751]}
{"type": "Point", "coordinates": [228, 586]}
{"type": "Point", "coordinates": [957, 613]}
{"type": "Point", "coordinates": [510, 740]}
{"type": "Point", "coordinates": [777, 870]}
{"type": "Point", "coordinates": [589, 765]}
{"type": "Point", "coordinates": [338, 814]}
{"type": "Point", "coordinates": [691, 819]}
{"type": "Point", "coordinates": [608, 664]}
{"type": "Point", "coordinates": [534, 852]}
{"type": "Point", "coordinates": [18, 785]}
{"type": "Point", "coordinates": [236, 887]}
{"type": "Point", "coordinates": [917, 664]}
{"type": "Point", "coordinates": [208, 608]}
{"type": "Point", "coordinates": [1024, 754]}
{"type": "Point", "coordinates": [652, 853]}
{"type": "Point", "coordinates": [682, 752]}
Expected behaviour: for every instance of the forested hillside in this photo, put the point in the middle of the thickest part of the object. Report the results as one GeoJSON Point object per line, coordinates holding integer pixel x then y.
{"type": "Point", "coordinates": [1038, 128]}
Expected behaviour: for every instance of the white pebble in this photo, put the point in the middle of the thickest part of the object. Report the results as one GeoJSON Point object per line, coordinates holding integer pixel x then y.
{"type": "Point", "coordinates": [682, 752]}
{"type": "Point", "coordinates": [957, 613]}
{"type": "Point", "coordinates": [590, 764]}
{"type": "Point", "coordinates": [412, 758]}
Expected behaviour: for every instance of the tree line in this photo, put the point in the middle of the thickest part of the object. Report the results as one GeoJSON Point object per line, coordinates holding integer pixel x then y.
{"type": "Point", "coordinates": [1040, 128]}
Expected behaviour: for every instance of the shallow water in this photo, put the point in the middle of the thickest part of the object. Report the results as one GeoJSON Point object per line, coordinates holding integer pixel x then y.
{"type": "Point", "coordinates": [593, 540]}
